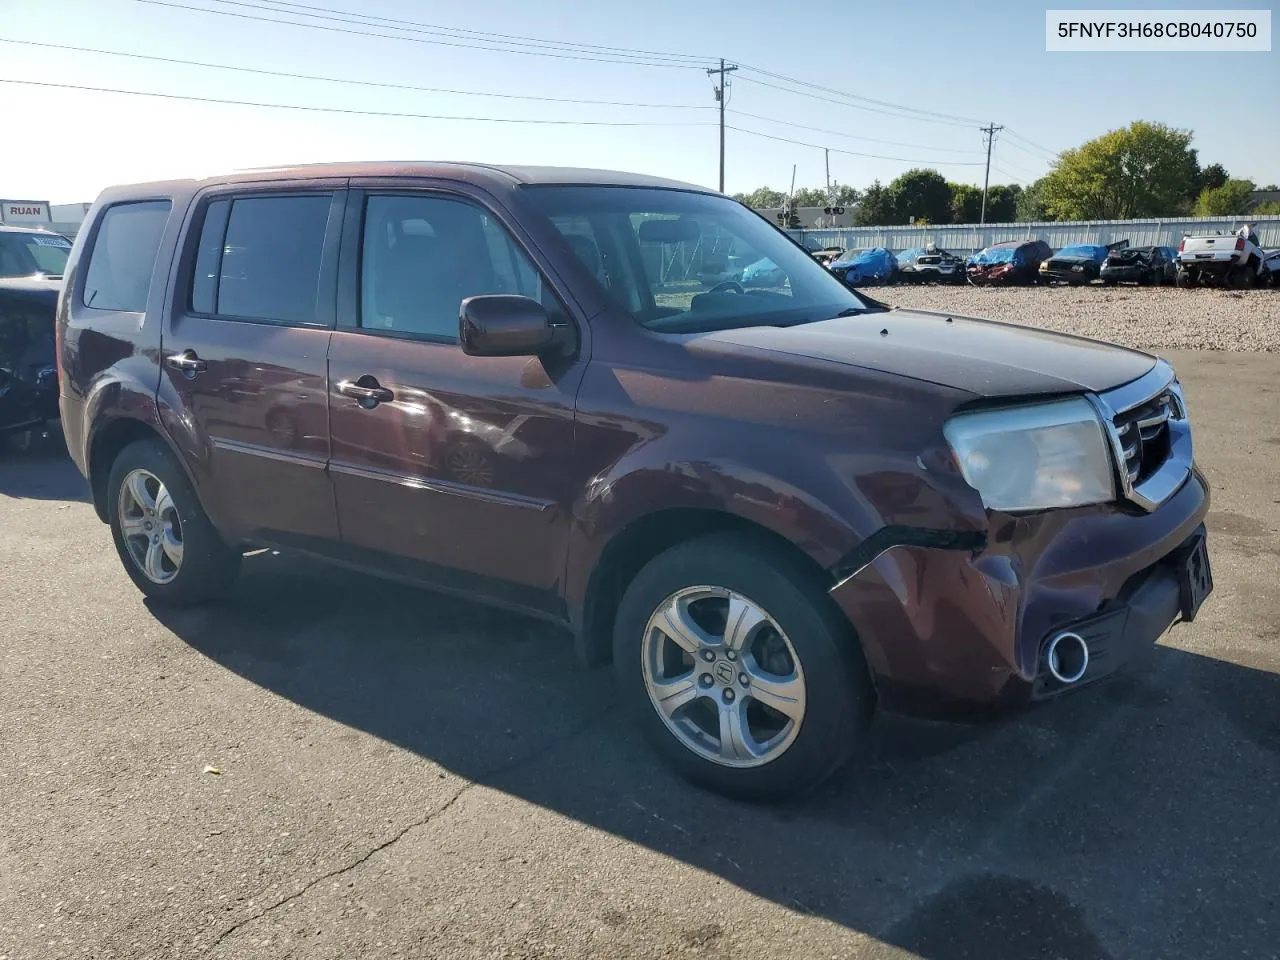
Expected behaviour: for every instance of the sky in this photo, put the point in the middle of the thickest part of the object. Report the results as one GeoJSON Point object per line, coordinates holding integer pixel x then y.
{"type": "Point", "coordinates": [981, 64]}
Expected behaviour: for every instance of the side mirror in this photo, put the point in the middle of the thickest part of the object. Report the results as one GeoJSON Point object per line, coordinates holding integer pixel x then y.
{"type": "Point", "coordinates": [500, 325]}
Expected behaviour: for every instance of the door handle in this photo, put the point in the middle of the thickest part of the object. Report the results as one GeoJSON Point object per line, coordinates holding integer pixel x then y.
{"type": "Point", "coordinates": [188, 363]}
{"type": "Point", "coordinates": [367, 391]}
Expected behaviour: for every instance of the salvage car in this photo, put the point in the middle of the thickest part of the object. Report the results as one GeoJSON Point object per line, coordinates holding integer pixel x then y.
{"type": "Point", "coordinates": [1079, 262]}
{"type": "Point", "coordinates": [1140, 265]}
{"type": "Point", "coordinates": [865, 267]}
{"type": "Point", "coordinates": [1235, 261]}
{"type": "Point", "coordinates": [930, 264]}
{"type": "Point", "coordinates": [1010, 262]}
{"type": "Point", "coordinates": [772, 511]}
{"type": "Point", "coordinates": [31, 267]}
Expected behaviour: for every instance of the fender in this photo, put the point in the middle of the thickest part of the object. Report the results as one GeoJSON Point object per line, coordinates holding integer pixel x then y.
{"type": "Point", "coordinates": [118, 397]}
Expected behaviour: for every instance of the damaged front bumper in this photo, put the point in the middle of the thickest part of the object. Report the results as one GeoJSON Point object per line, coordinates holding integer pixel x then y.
{"type": "Point", "coordinates": [966, 624]}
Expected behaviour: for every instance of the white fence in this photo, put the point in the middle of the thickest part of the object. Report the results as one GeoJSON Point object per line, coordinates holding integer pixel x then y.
{"type": "Point", "coordinates": [967, 238]}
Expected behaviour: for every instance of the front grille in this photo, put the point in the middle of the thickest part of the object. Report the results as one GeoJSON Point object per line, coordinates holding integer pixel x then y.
{"type": "Point", "coordinates": [1144, 436]}
{"type": "Point", "coordinates": [1150, 435]}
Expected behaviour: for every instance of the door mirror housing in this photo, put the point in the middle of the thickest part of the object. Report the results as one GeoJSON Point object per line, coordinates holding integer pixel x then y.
{"type": "Point", "coordinates": [501, 325]}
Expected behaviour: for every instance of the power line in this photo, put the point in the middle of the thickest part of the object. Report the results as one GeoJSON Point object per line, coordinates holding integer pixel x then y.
{"type": "Point", "coordinates": [363, 113]}
{"type": "Point", "coordinates": [843, 103]}
{"type": "Point", "coordinates": [1031, 143]}
{"type": "Point", "coordinates": [343, 80]}
{"type": "Point", "coordinates": [851, 153]}
{"type": "Point", "coordinates": [311, 9]}
{"type": "Point", "coordinates": [854, 96]}
{"type": "Point", "coordinates": [1006, 173]}
{"type": "Point", "coordinates": [392, 36]}
{"type": "Point", "coordinates": [1029, 152]}
{"type": "Point", "coordinates": [851, 136]}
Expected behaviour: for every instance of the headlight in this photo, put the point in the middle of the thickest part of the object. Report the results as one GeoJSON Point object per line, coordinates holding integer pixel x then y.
{"type": "Point", "coordinates": [1035, 457]}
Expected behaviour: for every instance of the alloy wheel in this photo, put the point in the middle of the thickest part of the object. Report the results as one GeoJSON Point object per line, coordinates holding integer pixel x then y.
{"type": "Point", "coordinates": [723, 676]}
{"type": "Point", "coordinates": [150, 526]}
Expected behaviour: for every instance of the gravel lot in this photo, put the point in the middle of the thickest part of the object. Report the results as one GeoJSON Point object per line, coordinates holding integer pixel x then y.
{"type": "Point", "coordinates": [1163, 318]}
{"type": "Point", "coordinates": [395, 775]}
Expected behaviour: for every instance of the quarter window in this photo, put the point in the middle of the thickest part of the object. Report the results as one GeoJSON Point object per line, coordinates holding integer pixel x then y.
{"type": "Point", "coordinates": [124, 255]}
{"type": "Point", "coordinates": [422, 256]}
{"type": "Point", "coordinates": [259, 258]}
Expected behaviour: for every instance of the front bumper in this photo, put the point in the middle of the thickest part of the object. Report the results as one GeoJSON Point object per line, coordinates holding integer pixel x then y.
{"type": "Point", "coordinates": [944, 628]}
{"type": "Point", "coordinates": [1126, 274]}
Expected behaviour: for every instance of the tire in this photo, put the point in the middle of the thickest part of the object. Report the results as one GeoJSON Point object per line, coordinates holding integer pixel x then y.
{"type": "Point", "coordinates": [1238, 278]}
{"type": "Point", "coordinates": [1185, 280]}
{"type": "Point", "coordinates": [205, 566]}
{"type": "Point", "coordinates": [821, 654]}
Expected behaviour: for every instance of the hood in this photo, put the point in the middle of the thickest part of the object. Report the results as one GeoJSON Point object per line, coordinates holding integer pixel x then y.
{"type": "Point", "coordinates": [31, 288]}
{"type": "Point", "coordinates": [982, 357]}
{"type": "Point", "coordinates": [1072, 259]}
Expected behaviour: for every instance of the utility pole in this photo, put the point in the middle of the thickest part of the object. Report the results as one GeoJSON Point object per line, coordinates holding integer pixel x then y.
{"type": "Point", "coordinates": [826, 154]}
{"type": "Point", "coordinates": [991, 131]}
{"type": "Point", "coordinates": [720, 88]}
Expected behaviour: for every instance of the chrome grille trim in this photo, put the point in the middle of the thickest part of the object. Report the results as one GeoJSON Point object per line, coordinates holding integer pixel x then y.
{"type": "Point", "coordinates": [1155, 405]}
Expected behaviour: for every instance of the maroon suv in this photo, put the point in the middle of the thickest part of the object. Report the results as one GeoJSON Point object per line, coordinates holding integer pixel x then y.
{"type": "Point", "coordinates": [771, 507]}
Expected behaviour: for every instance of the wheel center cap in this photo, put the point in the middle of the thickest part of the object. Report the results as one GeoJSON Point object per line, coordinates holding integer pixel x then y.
{"type": "Point", "coordinates": [724, 672]}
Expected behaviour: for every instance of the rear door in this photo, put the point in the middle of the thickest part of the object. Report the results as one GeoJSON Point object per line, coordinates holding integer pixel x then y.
{"type": "Point", "coordinates": [458, 469]}
{"type": "Point", "coordinates": [245, 357]}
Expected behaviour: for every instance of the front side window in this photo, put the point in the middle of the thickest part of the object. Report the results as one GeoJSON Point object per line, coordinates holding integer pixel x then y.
{"type": "Point", "coordinates": [684, 262]}
{"type": "Point", "coordinates": [259, 258]}
{"type": "Point", "coordinates": [124, 255]}
{"type": "Point", "coordinates": [422, 256]}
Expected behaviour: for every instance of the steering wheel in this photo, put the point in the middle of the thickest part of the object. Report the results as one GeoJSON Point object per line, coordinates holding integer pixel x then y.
{"type": "Point", "coordinates": [728, 286]}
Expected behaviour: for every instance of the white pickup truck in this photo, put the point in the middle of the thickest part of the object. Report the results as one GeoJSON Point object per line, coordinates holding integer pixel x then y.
{"type": "Point", "coordinates": [1218, 259]}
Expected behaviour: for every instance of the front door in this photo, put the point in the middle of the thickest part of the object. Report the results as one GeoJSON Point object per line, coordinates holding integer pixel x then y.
{"type": "Point", "coordinates": [446, 467]}
{"type": "Point", "coordinates": [245, 361]}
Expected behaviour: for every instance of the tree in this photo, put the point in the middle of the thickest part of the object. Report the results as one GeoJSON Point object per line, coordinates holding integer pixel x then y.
{"type": "Point", "coordinates": [1229, 200]}
{"type": "Point", "coordinates": [1270, 208]}
{"type": "Point", "coordinates": [761, 197]}
{"type": "Point", "coordinates": [1002, 203]}
{"type": "Point", "coordinates": [846, 196]}
{"type": "Point", "coordinates": [1143, 170]}
{"type": "Point", "coordinates": [1030, 208]}
{"type": "Point", "coordinates": [1212, 177]}
{"type": "Point", "coordinates": [876, 208]}
{"type": "Point", "coordinates": [966, 203]}
{"type": "Point", "coordinates": [811, 197]}
{"type": "Point", "coordinates": [921, 194]}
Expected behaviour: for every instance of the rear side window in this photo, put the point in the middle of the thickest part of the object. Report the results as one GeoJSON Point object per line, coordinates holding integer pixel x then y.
{"type": "Point", "coordinates": [259, 258]}
{"type": "Point", "coordinates": [124, 255]}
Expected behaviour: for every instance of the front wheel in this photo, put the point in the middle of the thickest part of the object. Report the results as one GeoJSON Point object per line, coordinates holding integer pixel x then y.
{"type": "Point", "coordinates": [165, 540]}
{"type": "Point", "coordinates": [739, 669]}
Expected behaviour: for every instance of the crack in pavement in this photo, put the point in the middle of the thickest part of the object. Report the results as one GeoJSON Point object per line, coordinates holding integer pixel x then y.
{"type": "Point", "coordinates": [500, 769]}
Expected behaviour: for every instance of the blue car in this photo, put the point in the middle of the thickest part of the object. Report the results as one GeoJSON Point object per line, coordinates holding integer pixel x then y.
{"type": "Point", "coordinates": [875, 265]}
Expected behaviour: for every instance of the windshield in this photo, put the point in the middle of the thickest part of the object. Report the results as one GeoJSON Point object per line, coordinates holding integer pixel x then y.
{"type": "Point", "coordinates": [996, 255]}
{"type": "Point", "coordinates": [33, 254]}
{"type": "Point", "coordinates": [1083, 250]}
{"type": "Point", "coordinates": [676, 261]}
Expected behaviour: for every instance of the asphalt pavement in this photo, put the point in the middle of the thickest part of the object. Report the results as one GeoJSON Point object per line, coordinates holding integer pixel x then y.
{"type": "Point", "coordinates": [331, 766]}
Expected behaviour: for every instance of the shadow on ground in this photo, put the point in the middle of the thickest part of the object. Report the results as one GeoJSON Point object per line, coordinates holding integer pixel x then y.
{"type": "Point", "coordinates": [35, 466]}
{"type": "Point", "coordinates": [1133, 819]}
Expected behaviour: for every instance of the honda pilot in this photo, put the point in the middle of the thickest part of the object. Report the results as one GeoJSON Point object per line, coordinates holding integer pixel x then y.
{"type": "Point", "coordinates": [771, 507]}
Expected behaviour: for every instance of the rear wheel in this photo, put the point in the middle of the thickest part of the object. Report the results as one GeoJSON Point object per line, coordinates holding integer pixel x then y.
{"type": "Point", "coordinates": [1240, 278]}
{"type": "Point", "coordinates": [739, 669]}
{"type": "Point", "coordinates": [1184, 279]}
{"type": "Point", "coordinates": [165, 540]}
